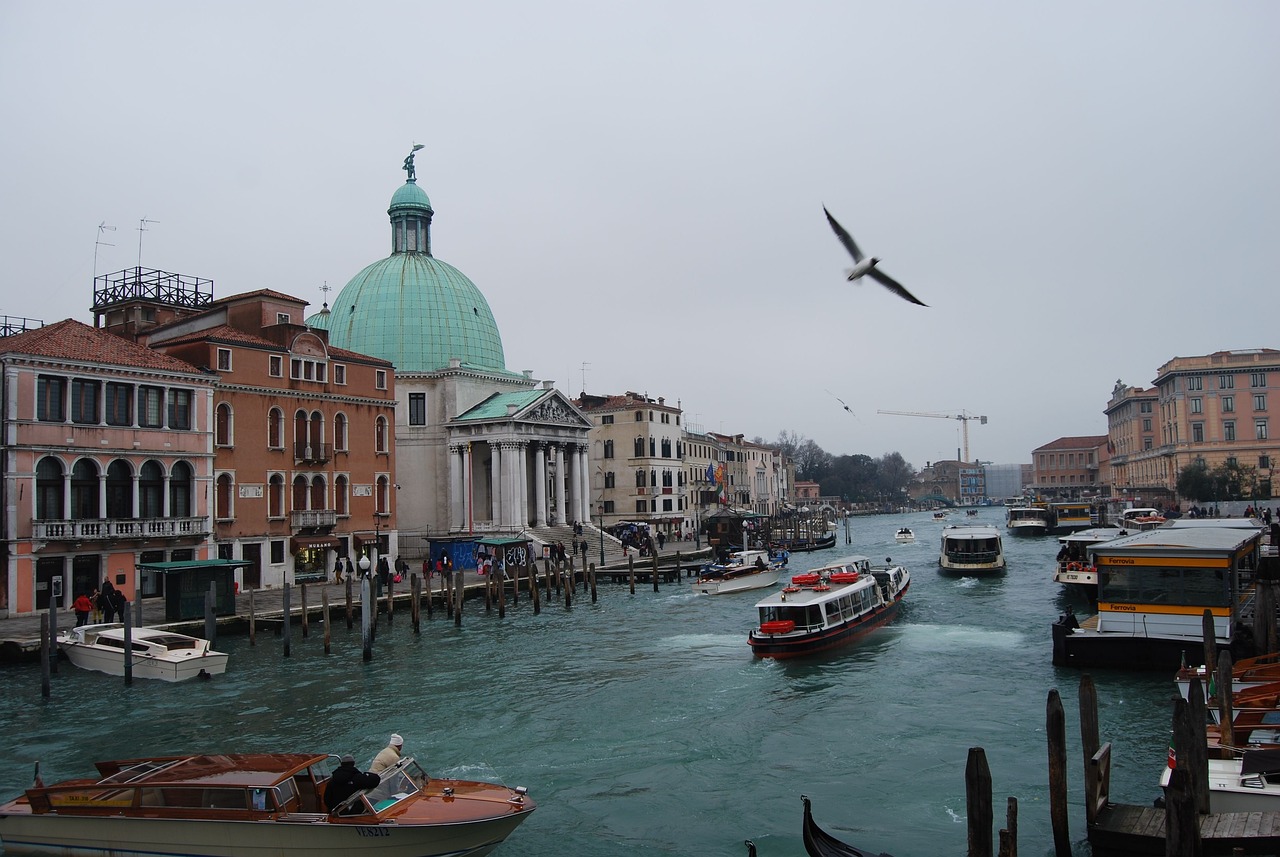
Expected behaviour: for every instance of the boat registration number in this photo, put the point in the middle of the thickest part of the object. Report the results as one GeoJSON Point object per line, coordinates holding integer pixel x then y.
{"type": "Point", "coordinates": [373, 831]}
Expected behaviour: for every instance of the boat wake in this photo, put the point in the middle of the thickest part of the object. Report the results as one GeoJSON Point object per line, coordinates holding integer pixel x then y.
{"type": "Point", "coordinates": [935, 637]}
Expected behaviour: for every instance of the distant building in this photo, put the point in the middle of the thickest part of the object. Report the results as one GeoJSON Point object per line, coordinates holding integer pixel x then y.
{"type": "Point", "coordinates": [1137, 469]}
{"type": "Point", "coordinates": [1005, 480]}
{"type": "Point", "coordinates": [1067, 468]}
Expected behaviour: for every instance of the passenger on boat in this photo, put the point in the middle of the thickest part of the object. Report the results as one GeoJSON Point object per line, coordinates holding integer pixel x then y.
{"type": "Point", "coordinates": [346, 781]}
{"type": "Point", "coordinates": [388, 756]}
{"type": "Point", "coordinates": [760, 562]}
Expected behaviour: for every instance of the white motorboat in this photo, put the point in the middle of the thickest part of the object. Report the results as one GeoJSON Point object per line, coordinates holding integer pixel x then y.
{"type": "Point", "coordinates": [1074, 567]}
{"type": "Point", "coordinates": [745, 570]}
{"type": "Point", "coordinates": [904, 535]}
{"type": "Point", "coordinates": [159, 654]}
{"type": "Point", "coordinates": [1249, 782]}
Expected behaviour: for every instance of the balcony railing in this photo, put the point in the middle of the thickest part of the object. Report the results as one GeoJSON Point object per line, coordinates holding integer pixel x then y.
{"type": "Point", "coordinates": [314, 518]}
{"type": "Point", "coordinates": [104, 529]}
{"type": "Point", "coordinates": [316, 453]}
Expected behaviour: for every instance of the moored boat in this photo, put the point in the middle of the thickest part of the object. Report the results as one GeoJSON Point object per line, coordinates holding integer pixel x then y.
{"type": "Point", "coordinates": [1070, 516]}
{"type": "Point", "coordinates": [156, 653]}
{"type": "Point", "coordinates": [745, 570]}
{"type": "Point", "coordinates": [971, 550]}
{"type": "Point", "coordinates": [1247, 782]}
{"type": "Point", "coordinates": [1074, 567]}
{"type": "Point", "coordinates": [819, 843]}
{"type": "Point", "coordinates": [828, 607]}
{"type": "Point", "coordinates": [257, 805]}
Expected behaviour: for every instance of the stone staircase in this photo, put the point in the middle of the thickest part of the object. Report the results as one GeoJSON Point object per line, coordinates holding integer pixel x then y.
{"type": "Point", "coordinates": [613, 553]}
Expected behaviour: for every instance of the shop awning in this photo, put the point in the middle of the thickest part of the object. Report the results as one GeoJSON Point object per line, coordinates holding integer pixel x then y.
{"type": "Point", "coordinates": [304, 542]}
{"type": "Point", "coordinates": [175, 566]}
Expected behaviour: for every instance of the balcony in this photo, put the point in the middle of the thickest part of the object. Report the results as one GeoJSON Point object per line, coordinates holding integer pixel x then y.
{"type": "Point", "coordinates": [109, 529]}
{"type": "Point", "coordinates": [312, 519]}
{"type": "Point", "coordinates": [312, 453]}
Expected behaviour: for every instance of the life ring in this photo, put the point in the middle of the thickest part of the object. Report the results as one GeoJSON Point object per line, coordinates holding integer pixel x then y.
{"type": "Point", "coordinates": [790, 589]}
{"type": "Point", "coordinates": [821, 587]}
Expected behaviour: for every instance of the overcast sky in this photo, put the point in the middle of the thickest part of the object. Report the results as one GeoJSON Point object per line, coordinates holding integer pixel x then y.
{"type": "Point", "coordinates": [1080, 191]}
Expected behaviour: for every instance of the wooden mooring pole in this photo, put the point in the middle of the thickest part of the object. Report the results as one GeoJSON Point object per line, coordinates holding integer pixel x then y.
{"type": "Point", "coordinates": [285, 630]}
{"type": "Point", "coordinates": [592, 575]}
{"type": "Point", "coordinates": [44, 656]}
{"type": "Point", "coordinates": [324, 606]}
{"type": "Point", "coordinates": [977, 791]}
{"type": "Point", "coordinates": [415, 603]}
{"type": "Point", "coordinates": [631, 572]}
{"type": "Point", "coordinates": [350, 617]}
{"type": "Point", "coordinates": [366, 622]}
{"type": "Point", "coordinates": [302, 597]}
{"type": "Point", "coordinates": [253, 622]}
{"type": "Point", "coordinates": [1056, 731]}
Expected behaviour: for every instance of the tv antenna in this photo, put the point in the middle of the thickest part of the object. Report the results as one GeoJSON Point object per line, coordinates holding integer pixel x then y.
{"type": "Point", "coordinates": [585, 364]}
{"type": "Point", "coordinates": [142, 227]}
{"type": "Point", "coordinates": [102, 227]}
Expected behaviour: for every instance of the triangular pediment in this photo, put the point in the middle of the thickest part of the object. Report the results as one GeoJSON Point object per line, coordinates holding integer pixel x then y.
{"type": "Point", "coordinates": [554, 409]}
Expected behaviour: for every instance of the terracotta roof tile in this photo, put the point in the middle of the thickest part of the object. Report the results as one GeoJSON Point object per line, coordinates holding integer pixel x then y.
{"type": "Point", "coordinates": [76, 341]}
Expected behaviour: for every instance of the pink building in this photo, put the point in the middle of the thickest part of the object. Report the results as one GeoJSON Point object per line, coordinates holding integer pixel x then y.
{"type": "Point", "coordinates": [107, 461]}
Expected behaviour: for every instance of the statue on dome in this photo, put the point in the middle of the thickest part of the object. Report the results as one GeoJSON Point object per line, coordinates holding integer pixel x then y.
{"type": "Point", "coordinates": [408, 163]}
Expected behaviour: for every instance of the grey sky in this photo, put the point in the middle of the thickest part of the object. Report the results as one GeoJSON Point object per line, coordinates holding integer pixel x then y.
{"type": "Point", "coordinates": [1080, 191]}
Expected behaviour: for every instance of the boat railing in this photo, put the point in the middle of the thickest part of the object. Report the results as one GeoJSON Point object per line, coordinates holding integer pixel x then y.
{"type": "Point", "coordinates": [973, 556]}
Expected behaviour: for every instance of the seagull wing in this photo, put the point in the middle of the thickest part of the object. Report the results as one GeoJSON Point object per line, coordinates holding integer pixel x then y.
{"type": "Point", "coordinates": [845, 238]}
{"type": "Point", "coordinates": [894, 286]}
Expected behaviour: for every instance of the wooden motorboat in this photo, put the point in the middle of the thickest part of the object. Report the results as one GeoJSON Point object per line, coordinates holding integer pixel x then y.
{"type": "Point", "coordinates": [257, 805]}
{"type": "Point", "coordinates": [745, 570]}
{"type": "Point", "coordinates": [819, 843]}
{"type": "Point", "coordinates": [828, 607]}
{"type": "Point", "coordinates": [156, 653]}
{"type": "Point", "coordinates": [1247, 782]}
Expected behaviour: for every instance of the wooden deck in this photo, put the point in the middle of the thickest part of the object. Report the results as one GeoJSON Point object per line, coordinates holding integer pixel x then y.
{"type": "Point", "coordinates": [1122, 830]}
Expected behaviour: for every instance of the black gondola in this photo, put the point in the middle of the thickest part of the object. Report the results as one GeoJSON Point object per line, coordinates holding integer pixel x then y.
{"type": "Point", "coordinates": [819, 843]}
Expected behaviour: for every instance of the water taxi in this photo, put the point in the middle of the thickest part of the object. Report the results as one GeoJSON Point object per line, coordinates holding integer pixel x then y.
{"type": "Point", "coordinates": [904, 536]}
{"type": "Point", "coordinates": [1154, 587]}
{"type": "Point", "coordinates": [156, 653]}
{"type": "Point", "coordinates": [828, 607]}
{"type": "Point", "coordinates": [257, 805]}
{"type": "Point", "coordinates": [971, 550]}
{"type": "Point", "coordinates": [745, 570]}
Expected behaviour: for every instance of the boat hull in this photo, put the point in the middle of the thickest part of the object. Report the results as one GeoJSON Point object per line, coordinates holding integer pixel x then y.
{"type": "Point", "coordinates": [1084, 648]}
{"type": "Point", "coordinates": [310, 834]}
{"type": "Point", "coordinates": [112, 663]}
{"type": "Point", "coordinates": [744, 583]}
{"type": "Point", "coordinates": [797, 644]}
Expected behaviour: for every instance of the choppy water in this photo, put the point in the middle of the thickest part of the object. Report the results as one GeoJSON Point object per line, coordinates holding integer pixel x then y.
{"type": "Point", "coordinates": [642, 724]}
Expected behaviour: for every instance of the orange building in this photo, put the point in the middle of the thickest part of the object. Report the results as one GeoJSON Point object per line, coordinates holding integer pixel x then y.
{"type": "Point", "coordinates": [1068, 468]}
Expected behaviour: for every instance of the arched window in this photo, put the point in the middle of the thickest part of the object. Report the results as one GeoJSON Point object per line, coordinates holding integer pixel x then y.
{"type": "Point", "coordinates": [608, 449]}
{"type": "Point", "coordinates": [181, 481]}
{"type": "Point", "coordinates": [316, 433]}
{"type": "Point", "coordinates": [340, 433]}
{"type": "Point", "coordinates": [222, 425]}
{"type": "Point", "coordinates": [222, 496]}
{"type": "Point", "coordinates": [84, 490]}
{"type": "Point", "coordinates": [120, 490]}
{"type": "Point", "coordinates": [609, 479]}
{"type": "Point", "coordinates": [639, 447]}
{"type": "Point", "coordinates": [318, 493]}
{"type": "Point", "coordinates": [275, 429]}
{"type": "Point", "coordinates": [666, 447]}
{"type": "Point", "coordinates": [380, 435]}
{"type": "Point", "coordinates": [653, 478]}
{"type": "Point", "coordinates": [151, 490]}
{"type": "Point", "coordinates": [300, 424]}
{"type": "Point", "coordinates": [640, 480]}
{"type": "Point", "coordinates": [666, 479]}
{"type": "Point", "coordinates": [340, 503]}
{"type": "Point", "coordinates": [383, 485]}
{"type": "Point", "coordinates": [299, 493]}
{"type": "Point", "coordinates": [275, 498]}
{"type": "Point", "coordinates": [653, 447]}
{"type": "Point", "coordinates": [49, 488]}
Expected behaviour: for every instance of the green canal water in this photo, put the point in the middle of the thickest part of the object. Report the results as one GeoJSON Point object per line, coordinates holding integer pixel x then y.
{"type": "Point", "coordinates": [641, 724]}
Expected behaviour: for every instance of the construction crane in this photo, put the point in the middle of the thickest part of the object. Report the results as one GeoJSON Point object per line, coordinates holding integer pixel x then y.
{"type": "Point", "coordinates": [963, 416]}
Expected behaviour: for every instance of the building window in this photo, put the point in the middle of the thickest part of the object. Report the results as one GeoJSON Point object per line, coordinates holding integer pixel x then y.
{"type": "Point", "coordinates": [84, 401]}
{"type": "Point", "coordinates": [275, 429]}
{"type": "Point", "coordinates": [299, 493]}
{"type": "Point", "coordinates": [380, 435]}
{"type": "Point", "coordinates": [608, 449]}
{"type": "Point", "coordinates": [417, 409]}
{"type": "Point", "coordinates": [179, 409]}
{"type": "Point", "coordinates": [639, 416]}
{"type": "Point", "coordinates": [119, 490]}
{"type": "Point", "coordinates": [275, 366]}
{"type": "Point", "coordinates": [1144, 407]}
{"type": "Point", "coordinates": [223, 496]}
{"type": "Point", "coordinates": [1197, 405]}
{"type": "Point", "coordinates": [1229, 430]}
{"type": "Point", "coordinates": [608, 507]}
{"type": "Point", "coordinates": [1228, 404]}
{"type": "Point", "coordinates": [639, 447]}
{"type": "Point", "coordinates": [84, 490]}
{"type": "Point", "coordinates": [1195, 382]}
{"type": "Point", "coordinates": [642, 507]}
{"type": "Point", "coordinates": [1264, 462]}
{"type": "Point", "coordinates": [340, 432]}
{"type": "Point", "coordinates": [383, 500]}
{"type": "Point", "coordinates": [1259, 429]}
{"type": "Point", "coordinates": [606, 420]}
{"type": "Point", "coordinates": [640, 480]}
{"type": "Point", "coordinates": [224, 359]}
{"type": "Point", "coordinates": [49, 488]}
{"type": "Point", "coordinates": [339, 373]}
{"type": "Point", "coordinates": [50, 395]}
{"type": "Point", "coordinates": [307, 370]}
{"type": "Point", "coordinates": [275, 496]}
{"type": "Point", "coordinates": [380, 379]}
{"type": "Point", "coordinates": [151, 490]}
{"type": "Point", "coordinates": [1226, 382]}
{"type": "Point", "coordinates": [340, 494]}
{"type": "Point", "coordinates": [1257, 379]}
{"type": "Point", "coordinates": [151, 407]}
{"type": "Point", "coordinates": [277, 552]}
{"type": "Point", "coordinates": [1147, 443]}
{"type": "Point", "coordinates": [222, 425]}
{"type": "Point", "coordinates": [1260, 401]}
{"type": "Point", "coordinates": [119, 405]}
{"type": "Point", "coordinates": [181, 481]}
{"type": "Point", "coordinates": [1197, 432]}
{"type": "Point", "coordinates": [282, 318]}
{"type": "Point", "coordinates": [610, 479]}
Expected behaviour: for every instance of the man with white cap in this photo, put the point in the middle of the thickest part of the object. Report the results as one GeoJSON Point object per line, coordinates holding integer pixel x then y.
{"type": "Point", "coordinates": [388, 756]}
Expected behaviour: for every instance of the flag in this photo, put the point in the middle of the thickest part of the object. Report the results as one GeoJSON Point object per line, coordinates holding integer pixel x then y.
{"type": "Point", "coordinates": [711, 473]}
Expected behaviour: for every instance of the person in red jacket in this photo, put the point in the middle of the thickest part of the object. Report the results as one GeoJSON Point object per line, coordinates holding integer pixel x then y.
{"type": "Point", "coordinates": [83, 607]}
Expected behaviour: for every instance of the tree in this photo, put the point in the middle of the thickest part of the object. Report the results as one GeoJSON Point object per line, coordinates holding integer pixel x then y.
{"type": "Point", "coordinates": [895, 474]}
{"type": "Point", "coordinates": [1194, 482]}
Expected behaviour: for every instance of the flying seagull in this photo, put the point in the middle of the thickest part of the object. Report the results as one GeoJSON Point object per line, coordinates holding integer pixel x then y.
{"type": "Point", "coordinates": [867, 267]}
{"type": "Point", "coordinates": [841, 401]}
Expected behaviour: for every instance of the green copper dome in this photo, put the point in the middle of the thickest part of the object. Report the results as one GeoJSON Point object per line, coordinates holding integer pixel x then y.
{"type": "Point", "coordinates": [319, 320]}
{"type": "Point", "coordinates": [410, 308]}
{"type": "Point", "coordinates": [417, 312]}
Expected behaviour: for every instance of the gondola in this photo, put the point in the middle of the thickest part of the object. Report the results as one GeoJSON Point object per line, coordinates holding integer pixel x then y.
{"type": "Point", "coordinates": [819, 843]}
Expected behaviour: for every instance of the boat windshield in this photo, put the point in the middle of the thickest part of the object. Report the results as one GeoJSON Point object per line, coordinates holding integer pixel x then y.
{"type": "Point", "coordinates": [402, 780]}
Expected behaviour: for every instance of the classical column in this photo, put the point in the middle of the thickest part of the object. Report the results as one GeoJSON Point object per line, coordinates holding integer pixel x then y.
{"type": "Point", "coordinates": [584, 484]}
{"type": "Point", "coordinates": [560, 484]}
{"type": "Point", "coordinates": [508, 516]}
{"type": "Point", "coordinates": [456, 488]}
{"type": "Point", "coordinates": [495, 482]}
{"type": "Point", "coordinates": [540, 493]}
{"type": "Point", "coordinates": [521, 477]}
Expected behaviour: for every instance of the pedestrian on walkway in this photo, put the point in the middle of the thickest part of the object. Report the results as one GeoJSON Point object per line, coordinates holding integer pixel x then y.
{"type": "Point", "coordinates": [83, 607]}
{"type": "Point", "coordinates": [96, 600]}
{"type": "Point", "coordinates": [107, 600]}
